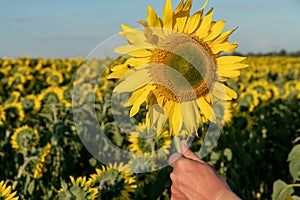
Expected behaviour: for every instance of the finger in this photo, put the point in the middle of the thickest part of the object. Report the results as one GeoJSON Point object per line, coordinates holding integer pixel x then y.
{"type": "Point", "coordinates": [173, 158]}
{"type": "Point", "coordinates": [187, 153]}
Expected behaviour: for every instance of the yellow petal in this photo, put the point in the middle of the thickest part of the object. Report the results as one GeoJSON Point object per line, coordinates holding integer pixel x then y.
{"type": "Point", "coordinates": [223, 92]}
{"type": "Point", "coordinates": [137, 99]}
{"type": "Point", "coordinates": [133, 50]}
{"type": "Point", "coordinates": [193, 22]}
{"type": "Point", "coordinates": [180, 23]}
{"type": "Point", "coordinates": [221, 38]}
{"type": "Point", "coordinates": [139, 79]}
{"type": "Point", "coordinates": [234, 66]}
{"type": "Point", "coordinates": [175, 118]}
{"type": "Point", "coordinates": [11, 196]}
{"type": "Point", "coordinates": [118, 74]}
{"type": "Point", "coordinates": [178, 8]}
{"type": "Point", "coordinates": [206, 109]}
{"type": "Point", "coordinates": [229, 73]}
{"type": "Point", "coordinates": [6, 191]}
{"type": "Point", "coordinates": [205, 25]}
{"type": "Point", "coordinates": [153, 19]}
{"type": "Point", "coordinates": [224, 47]}
{"type": "Point", "coordinates": [135, 37]}
{"type": "Point", "coordinates": [190, 115]}
{"type": "Point", "coordinates": [224, 60]}
{"type": "Point", "coordinates": [216, 30]}
{"type": "Point", "coordinates": [167, 17]}
{"type": "Point", "coordinates": [137, 61]}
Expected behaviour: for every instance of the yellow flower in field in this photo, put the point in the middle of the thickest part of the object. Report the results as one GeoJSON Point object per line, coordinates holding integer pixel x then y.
{"type": "Point", "coordinates": [176, 62]}
{"type": "Point", "coordinates": [223, 112]}
{"type": "Point", "coordinates": [39, 165]}
{"type": "Point", "coordinates": [52, 94]}
{"type": "Point", "coordinates": [263, 89]}
{"type": "Point", "coordinates": [249, 100]}
{"type": "Point", "coordinates": [31, 103]}
{"type": "Point", "coordinates": [54, 78]}
{"type": "Point", "coordinates": [2, 115]}
{"type": "Point", "coordinates": [17, 80]}
{"type": "Point", "coordinates": [14, 112]}
{"type": "Point", "coordinates": [142, 163]}
{"type": "Point", "coordinates": [78, 189]}
{"type": "Point", "coordinates": [143, 141]}
{"type": "Point", "coordinates": [6, 192]}
{"type": "Point", "coordinates": [113, 182]}
{"type": "Point", "coordinates": [25, 137]}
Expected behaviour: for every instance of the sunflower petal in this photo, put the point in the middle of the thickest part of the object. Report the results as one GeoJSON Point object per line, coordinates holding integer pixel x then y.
{"type": "Point", "coordinates": [137, 99]}
{"type": "Point", "coordinates": [228, 60]}
{"type": "Point", "coordinates": [167, 17]}
{"type": "Point", "coordinates": [135, 37]}
{"type": "Point", "coordinates": [175, 118]}
{"type": "Point", "coordinates": [205, 25]}
{"type": "Point", "coordinates": [118, 73]}
{"type": "Point", "coordinates": [193, 22]}
{"type": "Point", "coordinates": [229, 73]}
{"type": "Point", "coordinates": [224, 47]}
{"type": "Point", "coordinates": [139, 79]}
{"type": "Point", "coordinates": [206, 109]}
{"type": "Point", "coordinates": [190, 115]}
{"type": "Point", "coordinates": [215, 30]}
{"type": "Point", "coordinates": [223, 92]}
{"type": "Point", "coordinates": [153, 19]}
{"type": "Point", "coordinates": [221, 38]}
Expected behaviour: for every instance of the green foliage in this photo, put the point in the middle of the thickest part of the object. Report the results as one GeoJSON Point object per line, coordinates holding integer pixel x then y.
{"type": "Point", "coordinates": [260, 130]}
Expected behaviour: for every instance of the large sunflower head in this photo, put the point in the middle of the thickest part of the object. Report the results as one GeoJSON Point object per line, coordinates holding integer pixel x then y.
{"type": "Point", "coordinates": [176, 64]}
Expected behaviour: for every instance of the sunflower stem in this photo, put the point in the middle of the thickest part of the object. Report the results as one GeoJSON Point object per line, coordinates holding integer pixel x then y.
{"type": "Point", "coordinates": [177, 144]}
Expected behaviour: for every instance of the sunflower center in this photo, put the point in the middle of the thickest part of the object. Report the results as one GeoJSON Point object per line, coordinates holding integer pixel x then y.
{"type": "Point", "coordinates": [183, 68]}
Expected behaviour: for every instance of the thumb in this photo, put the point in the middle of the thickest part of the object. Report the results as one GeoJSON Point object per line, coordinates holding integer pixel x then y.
{"type": "Point", "coordinates": [187, 153]}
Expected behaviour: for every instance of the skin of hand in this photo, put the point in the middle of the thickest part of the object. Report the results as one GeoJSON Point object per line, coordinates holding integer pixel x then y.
{"type": "Point", "coordinates": [193, 179]}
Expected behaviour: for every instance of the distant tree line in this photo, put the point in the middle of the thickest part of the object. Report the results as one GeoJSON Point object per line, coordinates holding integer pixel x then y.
{"type": "Point", "coordinates": [272, 53]}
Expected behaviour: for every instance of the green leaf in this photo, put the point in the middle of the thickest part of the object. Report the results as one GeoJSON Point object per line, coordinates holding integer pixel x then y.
{"type": "Point", "coordinates": [30, 188]}
{"type": "Point", "coordinates": [281, 190]}
{"type": "Point", "coordinates": [294, 165]}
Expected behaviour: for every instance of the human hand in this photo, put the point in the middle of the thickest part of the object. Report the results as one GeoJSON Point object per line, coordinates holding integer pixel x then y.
{"type": "Point", "coordinates": [194, 179]}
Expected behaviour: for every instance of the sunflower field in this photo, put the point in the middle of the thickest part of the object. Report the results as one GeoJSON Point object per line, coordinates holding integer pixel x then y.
{"type": "Point", "coordinates": [42, 155]}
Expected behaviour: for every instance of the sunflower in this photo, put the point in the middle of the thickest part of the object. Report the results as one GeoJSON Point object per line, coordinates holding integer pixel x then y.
{"type": "Point", "coordinates": [51, 95]}
{"type": "Point", "coordinates": [249, 100]}
{"type": "Point", "coordinates": [2, 115]}
{"type": "Point", "coordinates": [176, 63]}
{"type": "Point", "coordinates": [24, 137]}
{"type": "Point", "coordinates": [223, 112]}
{"type": "Point", "coordinates": [5, 192]}
{"type": "Point", "coordinates": [145, 142]}
{"type": "Point", "coordinates": [54, 78]}
{"type": "Point", "coordinates": [17, 80]}
{"type": "Point", "coordinates": [31, 103]}
{"type": "Point", "coordinates": [14, 112]}
{"type": "Point", "coordinates": [78, 189]}
{"type": "Point", "coordinates": [113, 182]}
{"type": "Point", "coordinates": [39, 165]}
{"type": "Point", "coordinates": [142, 163]}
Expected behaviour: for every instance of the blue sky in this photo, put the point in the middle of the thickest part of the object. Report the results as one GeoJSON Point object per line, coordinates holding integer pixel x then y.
{"type": "Point", "coordinates": [65, 28]}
